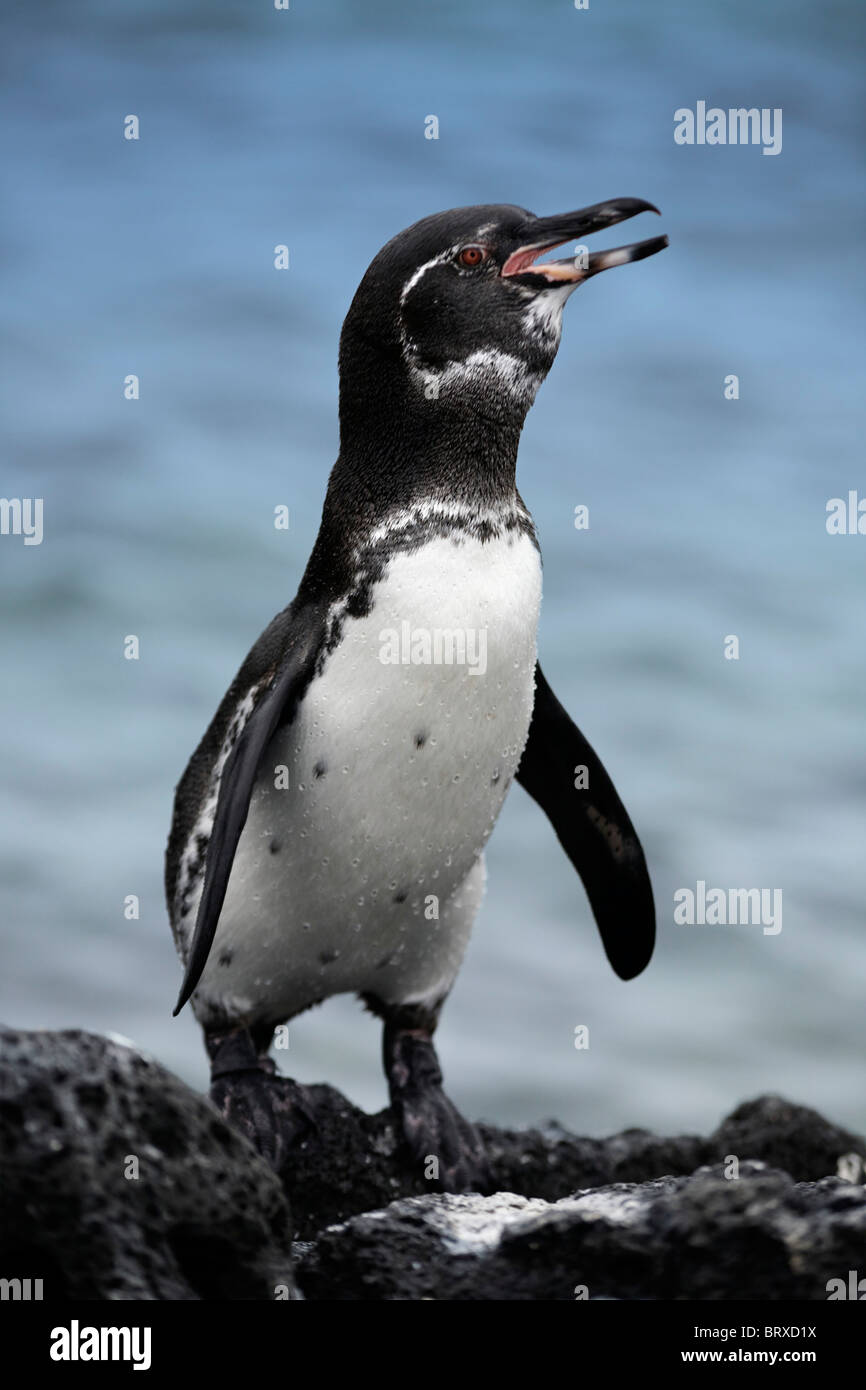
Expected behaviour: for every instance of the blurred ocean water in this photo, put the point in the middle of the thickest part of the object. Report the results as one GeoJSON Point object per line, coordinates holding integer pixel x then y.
{"type": "Point", "coordinates": [707, 516]}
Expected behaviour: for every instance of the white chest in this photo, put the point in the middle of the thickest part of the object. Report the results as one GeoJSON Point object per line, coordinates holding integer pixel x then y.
{"type": "Point", "coordinates": [382, 793]}
{"type": "Point", "coordinates": [412, 732]}
{"type": "Point", "coordinates": [444, 662]}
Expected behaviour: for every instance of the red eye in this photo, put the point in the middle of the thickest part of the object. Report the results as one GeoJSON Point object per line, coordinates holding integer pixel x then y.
{"type": "Point", "coordinates": [471, 256]}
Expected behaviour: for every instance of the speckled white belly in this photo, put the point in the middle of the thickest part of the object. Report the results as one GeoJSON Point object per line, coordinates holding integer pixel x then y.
{"type": "Point", "coordinates": [360, 866]}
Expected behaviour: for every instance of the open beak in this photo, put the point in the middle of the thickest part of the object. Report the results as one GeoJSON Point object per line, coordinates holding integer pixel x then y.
{"type": "Point", "coordinates": [548, 232]}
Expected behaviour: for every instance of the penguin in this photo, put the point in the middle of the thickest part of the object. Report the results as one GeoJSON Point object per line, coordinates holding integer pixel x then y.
{"type": "Point", "coordinates": [328, 833]}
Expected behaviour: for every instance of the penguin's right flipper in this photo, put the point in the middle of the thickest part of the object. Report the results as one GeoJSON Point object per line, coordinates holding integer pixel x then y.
{"type": "Point", "coordinates": [594, 829]}
{"type": "Point", "coordinates": [301, 645]}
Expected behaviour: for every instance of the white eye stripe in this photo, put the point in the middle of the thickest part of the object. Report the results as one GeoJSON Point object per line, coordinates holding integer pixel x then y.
{"type": "Point", "coordinates": [422, 270]}
{"type": "Point", "coordinates": [408, 346]}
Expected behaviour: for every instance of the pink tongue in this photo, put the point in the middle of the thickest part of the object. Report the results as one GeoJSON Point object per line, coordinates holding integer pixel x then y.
{"type": "Point", "coordinates": [521, 260]}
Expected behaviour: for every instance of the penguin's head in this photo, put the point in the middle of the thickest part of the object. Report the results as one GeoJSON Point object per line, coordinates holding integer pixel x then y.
{"type": "Point", "coordinates": [461, 302]}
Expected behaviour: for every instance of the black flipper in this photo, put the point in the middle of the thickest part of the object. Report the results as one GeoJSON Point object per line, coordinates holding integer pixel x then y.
{"type": "Point", "coordinates": [593, 828]}
{"type": "Point", "coordinates": [276, 706]}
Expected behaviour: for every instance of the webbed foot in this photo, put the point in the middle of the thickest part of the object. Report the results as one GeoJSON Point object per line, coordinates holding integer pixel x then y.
{"type": "Point", "coordinates": [267, 1109]}
{"type": "Point", "coordinates": [445, 1146]}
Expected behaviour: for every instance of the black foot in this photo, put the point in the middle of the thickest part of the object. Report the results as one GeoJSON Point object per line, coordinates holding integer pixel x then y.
{"type": "Point", "coordinates": [446, 1148]}
{"type": "Point", "coordinates": [267, 1110]}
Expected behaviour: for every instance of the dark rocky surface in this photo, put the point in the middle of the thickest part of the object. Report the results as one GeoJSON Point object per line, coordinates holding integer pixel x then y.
{"type": "Point", "coordinates": [205, 1218]}
{"type": "Point", "coordinates": [760, 1236]}
{"type": "Point", "coordinates": [630, 1216]}
{"type": "Point", "coordinates": [346, 1162]}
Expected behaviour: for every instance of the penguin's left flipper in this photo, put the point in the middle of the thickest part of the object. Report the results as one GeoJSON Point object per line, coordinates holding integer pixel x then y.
{"type": "Point", "coordinates": [593, 828]}
{"type": "Point", "coordinates": [301, 644]}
